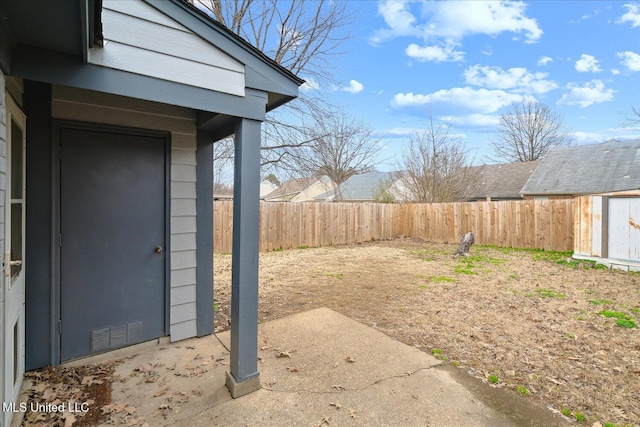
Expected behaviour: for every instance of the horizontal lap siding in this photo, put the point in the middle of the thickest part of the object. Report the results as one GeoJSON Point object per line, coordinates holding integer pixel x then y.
{"type": "Point", "coordinates": [141, 40]}
{"type": "Point", "coordinates": [93, 107]}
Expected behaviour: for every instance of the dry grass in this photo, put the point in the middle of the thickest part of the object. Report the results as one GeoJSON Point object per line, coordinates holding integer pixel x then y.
{"type": "Point", "coordinates": [517, 317]}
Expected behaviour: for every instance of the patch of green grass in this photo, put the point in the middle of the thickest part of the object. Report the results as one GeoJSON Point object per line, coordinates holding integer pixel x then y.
{"type": "Point", "coordinates": [303, 247]}
{"type": "Point", "coordinates": [456, 363]}
{"type": "Point", "coordinates": [549, 293]}
{"type": "Point", "coordinates": [514, 276]}
{"type": "Point", "coordinates": [523, 390]}
{"type": "Point", "coordinates": [216, 307]}
{"type": "Point", "coordinates": [436, 351]}
{"type": "Point", "coordinates": [542, 255]}
{"type": "Point", "coordinates": [600, 301]}
{"type": "Point", "coordinates": [278, 250]}
{"type": "Point", "coordinates": [423, 287]}
{"type": "Point", "coordinates": [441, 279]}
{"type": "Point", "coordinates": [589, 291]}
{"type": "Point", "coordinates": [635, 310]}
{"type": "Point", "coordinates": [570, 335]}
{"type": "Point", "coordinates": [459, 269]}
{"type": "Point", "coordinates": [579, 417]}
{"type": "Point", "coordinates": [336, 275]}
{"type": "Point", "coordinates": [613, 314]}
{"type": "Point", "coordinates": [626, 323]}
{"type": "Point", "coordinates": [611, 425]}
{"type": "Point", "coordinates": [493, 379]}
{"type": "Point", "coordinates": [622, 319]}
{"type": "Point", "coordinates": [565, 411]}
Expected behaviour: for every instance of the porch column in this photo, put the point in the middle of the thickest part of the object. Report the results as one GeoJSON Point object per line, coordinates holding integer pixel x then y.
{"type": "Point", "coordinates": [244, 376]}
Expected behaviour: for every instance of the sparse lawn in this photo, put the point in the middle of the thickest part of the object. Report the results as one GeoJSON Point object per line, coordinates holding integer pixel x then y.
{"type": "Point", "coordinates": [559, 331]}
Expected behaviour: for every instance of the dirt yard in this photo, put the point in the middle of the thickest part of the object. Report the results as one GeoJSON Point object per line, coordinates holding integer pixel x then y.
{"type": "Point", "coordinates": [523, 320]}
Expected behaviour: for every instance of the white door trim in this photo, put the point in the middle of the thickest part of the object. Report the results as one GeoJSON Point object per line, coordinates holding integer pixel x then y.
{"type": "Point", "coordinates": [13, 283]}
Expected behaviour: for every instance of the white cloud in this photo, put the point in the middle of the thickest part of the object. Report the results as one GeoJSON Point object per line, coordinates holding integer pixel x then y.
{"type": "Point", "coordinates": [544, 60]}
{"type": "Point", "coordinates": [399, 19]}
{"type": "Point", "coordinates": [590, 93]}
{"type": "Point", "coordinates": [459, 19]}
{"type": "Point", "coordinates": [518, 79]}
{"type": "Point", "coordinates": [631, 60]}
{"type": "Point", "coordinates": [354, 87]}
{"type": "Point", "coordinates": [619, 134]}
{"type": "Point", "coordinates": [434, 53]}
{"type": "Point", "coordinates": [615, 71]}
{"type": "Point", "coordinates": [632, 15]}
{"type": "Point", "coordinates": [473, 120]}
{"type": "Point", "coordinates": [587, 63]}
{"type": "Point", "coordinates": [480, 100]}
{"type": "Point", "coordinates": [310, 84]}
{"type": "Point", "coordinates": [443, 25]}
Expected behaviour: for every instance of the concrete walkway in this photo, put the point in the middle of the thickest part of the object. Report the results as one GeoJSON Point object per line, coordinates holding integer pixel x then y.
{"type": "Point", "coordinates": [317, 368]}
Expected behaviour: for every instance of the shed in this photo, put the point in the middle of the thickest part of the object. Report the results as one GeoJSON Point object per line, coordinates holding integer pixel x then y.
{"type": "Point", "coordinates": [605, 181]}
{"type": "Point", "coordinates": [108, 114]}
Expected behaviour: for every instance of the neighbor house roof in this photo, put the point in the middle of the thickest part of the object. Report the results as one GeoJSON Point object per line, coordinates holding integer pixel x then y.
{"type": "Point", "coordinates": [291, 188]}
{"type": "Point", "coordinates": [588, 169]}
{"type": "Point", "coordinates": [500, 181]}
{"type": "Point", "coordinates": [360, 187]}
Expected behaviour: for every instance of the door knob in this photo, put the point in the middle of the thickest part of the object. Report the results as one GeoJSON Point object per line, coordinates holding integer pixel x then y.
{"type": "Point", "coordinates": [158, 249]}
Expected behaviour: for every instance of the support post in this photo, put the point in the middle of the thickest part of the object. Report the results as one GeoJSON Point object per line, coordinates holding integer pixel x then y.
{"type": "Point", "coordinates": [243, 377]}
{"type": "Point", "coordinates": [204, 241]}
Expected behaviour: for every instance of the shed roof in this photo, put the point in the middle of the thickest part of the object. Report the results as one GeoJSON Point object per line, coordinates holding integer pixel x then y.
{"type": "Point", "coordinates": [501, 181]}
{"type": "Point", "coordinates": [598, 168]}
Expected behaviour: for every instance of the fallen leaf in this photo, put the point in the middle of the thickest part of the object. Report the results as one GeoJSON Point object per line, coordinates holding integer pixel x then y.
{"type": "Point", "coordinates": [283, 354]}
{"type": "Point", "coordinates": [293, 369]}
{"type": "Point", "coordinates": [350, 359]}
{"type": "Point", "coordinates": [338, 387]}
{"type": "Point", "coordinates": [69, 419]}
{"type": "Point", "coordinates": [161, 392]}
{"type": "Point", "coordinates": [324, 421]}
{"type": "Point", "coordinates": [337, 405]}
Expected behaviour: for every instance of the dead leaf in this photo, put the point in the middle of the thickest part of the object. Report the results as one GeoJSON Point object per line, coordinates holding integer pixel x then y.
{"type": "Point", "coordinates": [161, 392]}
{"type": "Point", "coordinates": [283, 354]}
{"type": "Point", "coordinates": [350, 359]}
{"type": "Point", "coordinates": [324, 421]}
{"type": "Point", "coordinates": [336, 405]}
{"type": "Point", "coordinates": [191, 347]}
{"type": "Point", "coordinates": [293, 369]}
{"type": "Point", "coordinates": [338, 387]}
{"type": "Point", "coordinates": [197, 392]}
{"type": "Point", "coordinates": [69, 419]}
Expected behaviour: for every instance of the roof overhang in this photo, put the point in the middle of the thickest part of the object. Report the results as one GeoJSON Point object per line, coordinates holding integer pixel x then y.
{"type": "Point", "coordinates": [49, 41]}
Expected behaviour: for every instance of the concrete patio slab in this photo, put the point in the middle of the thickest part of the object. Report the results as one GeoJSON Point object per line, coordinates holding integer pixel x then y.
{"type": "Point", "coordinates": [317, 368]}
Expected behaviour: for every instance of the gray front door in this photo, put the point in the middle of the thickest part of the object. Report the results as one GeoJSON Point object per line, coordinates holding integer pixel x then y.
{"type": "Point", "coordinates": [112, 248]}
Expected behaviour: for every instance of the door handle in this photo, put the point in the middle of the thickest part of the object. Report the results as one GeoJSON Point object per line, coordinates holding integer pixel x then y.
{"type": "Point", "coordinates": [158, 249]}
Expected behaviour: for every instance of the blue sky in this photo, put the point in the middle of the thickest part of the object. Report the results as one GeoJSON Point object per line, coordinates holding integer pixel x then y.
{"type": "Point", "coordinates": [468, 61]}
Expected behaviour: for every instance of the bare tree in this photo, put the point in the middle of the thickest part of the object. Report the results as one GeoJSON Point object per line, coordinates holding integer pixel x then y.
{"type": "Point", "coordinates": [223, 165]}
{"type": "Point", "coordinates": [528, 132]}
{"type": "Point", "coordinates": [633, 117]}
{"type": "Point", "coordinates": [343, 147]}
{"type": "Point", "coordinates": [434, 167]}
{"type": "Point", "coordinates": [302, 36]}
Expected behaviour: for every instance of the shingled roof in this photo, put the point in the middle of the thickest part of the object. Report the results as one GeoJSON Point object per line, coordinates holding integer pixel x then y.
{"type": "Point", "coordinates": [500, 181]}
{"type": "Point", "coordinates": [588, 169]}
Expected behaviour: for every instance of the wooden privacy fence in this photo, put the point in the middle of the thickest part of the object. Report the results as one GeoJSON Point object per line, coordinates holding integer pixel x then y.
{"type": "Point", "coordinates": [538, 224]}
